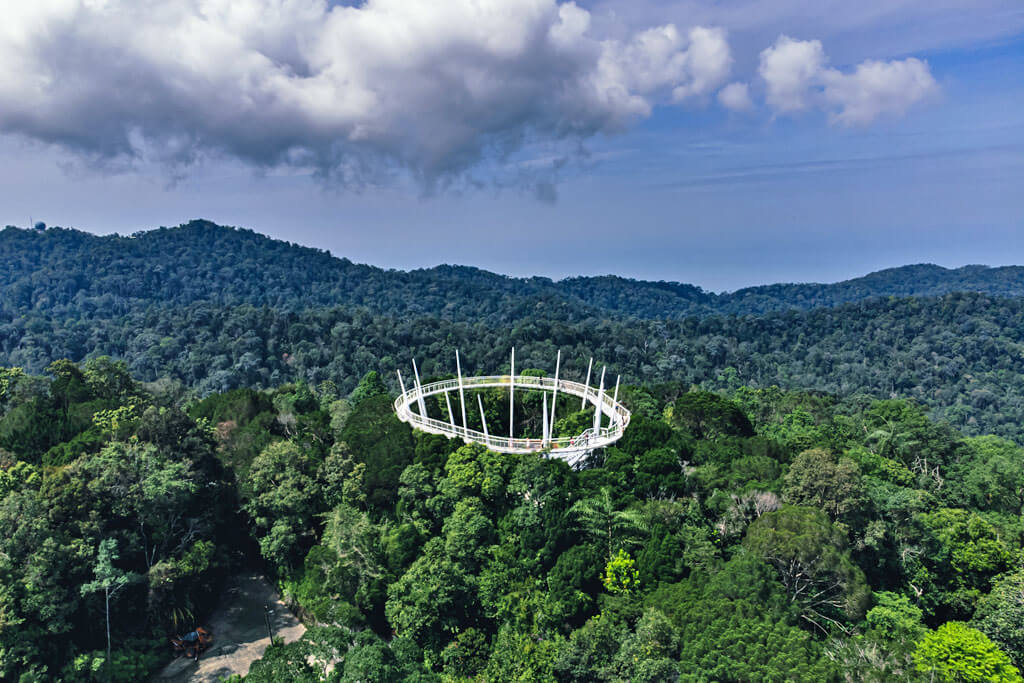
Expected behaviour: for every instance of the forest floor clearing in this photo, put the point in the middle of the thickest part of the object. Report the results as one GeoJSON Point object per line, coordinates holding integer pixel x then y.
{"type": "Point", "coordinates": [239, 632]}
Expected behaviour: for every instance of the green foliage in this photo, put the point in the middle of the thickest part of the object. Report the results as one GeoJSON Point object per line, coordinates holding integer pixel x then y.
{"type": "Point", "coordinates": [131, 530]}
{"type": "Point", "coordinates": [726, 538]}
{"type": "Point", "coordinates": [961, 554]}
{"type": "Point", "coordinates": [956, 652]}
{"type": "Point", "coordinates": [433, 600]}
{"type": "Point", "coordinates": [521, 657]}
{"type": "Point", "coordinates": [605, 525]}
{"type": "Point", "coordinates": [813, 565]}
{"type": "Point", "coordinates": [126, 666]}
{"type": "Point", "coordinates": [620, 574]}
{"type": "Point", "coordinates": [241, 310]}
{"type": "Point", "coordinates": [466, 655]}
{"type": "Point", "coordinates": [735, 625]}
{"type": "Point", "coordinates": [284, 502]}
{"type": "Point", "coordinates": [817, 479]}
{"type": "Point", "coordinates": [381, 443]}
{"type": "Point", "coordinates": [994, 480]}
{"type": "Point", "coordinates": [1000, 615]}
{"type": "Point", "coordinates": [710, 416]}
{"type": "Point", "coordinates": [895, 619]}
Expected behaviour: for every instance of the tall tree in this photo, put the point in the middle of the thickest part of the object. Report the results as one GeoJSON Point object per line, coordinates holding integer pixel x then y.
{"type": "Point", "coordinates": [109, 579]}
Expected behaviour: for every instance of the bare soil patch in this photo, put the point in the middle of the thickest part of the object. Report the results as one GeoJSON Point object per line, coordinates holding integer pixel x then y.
{"type": "Point", "coordinates": [239, 632]}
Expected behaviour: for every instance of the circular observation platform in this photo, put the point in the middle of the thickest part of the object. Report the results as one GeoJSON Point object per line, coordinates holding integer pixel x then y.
{"type": "Point", "coordinates": [610, 417]}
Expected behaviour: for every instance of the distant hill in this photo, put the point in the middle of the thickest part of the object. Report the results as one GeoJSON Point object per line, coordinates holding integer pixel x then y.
{"type": "Point", "coordinates": [62, 270]}
{"type": "Point", "coordinates": [217, 308]}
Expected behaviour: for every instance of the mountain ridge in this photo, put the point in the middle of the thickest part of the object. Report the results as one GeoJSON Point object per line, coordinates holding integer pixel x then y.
{"type": "Point", "coordinates": [65, 267]}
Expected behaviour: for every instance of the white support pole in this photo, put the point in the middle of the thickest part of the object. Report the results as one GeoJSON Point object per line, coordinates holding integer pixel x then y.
{"type": "Point", "coordinates": [583, 401]}
{"type": "Point", "coordinates": [597, 406]}
{"type": "Point", "coordinates": [400, 382]}
{"type": "Point", "coordinates": [615, 398]}
{"type": "Point", "coordinates": [419, 389]}
{"type": "Point", "coordinates": [483, 418]}
{"type": "Point", "coordinates": [512, 396]}
{"type": "Point", "coordinates": [448, 404]}
{"type": "Point", "coordinates": [462, 395]}
{"type": "Point", "coordinates": [554, 394]}
{"type": "Point", "coordinates": [544, 428]}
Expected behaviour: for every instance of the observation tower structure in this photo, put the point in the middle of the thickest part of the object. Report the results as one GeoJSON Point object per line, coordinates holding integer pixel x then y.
{"type": "Point", "coordinates": [470, 424]}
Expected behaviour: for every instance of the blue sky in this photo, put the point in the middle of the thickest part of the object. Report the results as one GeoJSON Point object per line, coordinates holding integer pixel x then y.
{"type": "Point", "coordinates": [687, 190]}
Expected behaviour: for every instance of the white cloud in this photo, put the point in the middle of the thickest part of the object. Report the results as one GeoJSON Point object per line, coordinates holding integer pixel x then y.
{"type": "Point", "coordinates": [789, 68]}
{"type": "Point", "coordinates": [707, 63]}
{"type": "Point", "coordinates": [796, 78]}
{"type": "Point", "coordinates": [354, 92]}
{"type": "Point", "coordinates": [735, 96]}
{"type": "Point", "coordinates": [875, 88]}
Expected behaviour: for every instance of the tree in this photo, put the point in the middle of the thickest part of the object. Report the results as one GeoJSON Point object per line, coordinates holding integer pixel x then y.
{"type": "Point", "coordinates": [468, 534]}
{"type": "Point", "coordinates": [342, 477]}
{"type": "Point", "coordinates": [109, 579]}
{"type": "Point", "coordinates": [37, 566]}
{"type": "Point", "coordinates": [818, 574]}
{"type": "Point", "coordinates": [284, 500]}
{"type": "Point", "coordinates": [957, 653]}
{"type": "Point", "coordinates": [710, 416]}
{"type": "Point", "coordinates": [521, 657]}
{"type": "Point", "coordinates": [961, 552]}
{"type": "Point", "coordinates": [649, 653]}
{"type": "Point", "coordinates": [433, 600]}
{"type": "Point", "coordinates": [1000, 615]}
{"type": "Point", "coordinates": [737, 625]}
{"type": "Point", "coordinates": [895, 620]}
{"type": "Point", "coordinates": [380, 441]}
{"type": "Point", "coordinates": [818, 479]}
{"type": "Point", "coordinates": [606, 525]}
{"type": "Point", "coordinates": [466, 655]}
{"type": "Point", "coordinates": [900, 430]}
{"type": "Point", "coordinates": [995, 479]}
{"type": "Point", "coordinates": [107, 378]}
{"type": "Point", "coordinates": [620, 574]}
{"type": "Point", "coordinates": [355, 567]}
{"type": "Point", "coordinates": [149, 488]}
{"type": "Point", "coordinates": [370, 659]}
{"type": "Point", "coordinates": [572, 583]}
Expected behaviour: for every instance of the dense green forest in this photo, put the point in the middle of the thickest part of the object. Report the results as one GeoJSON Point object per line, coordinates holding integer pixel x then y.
{"type": "Point", "coordinates": [961, 355]}
{"type": "Point", "coordinates": [754, 534]}
{"type": "Point", "coordinates": [820, 482]}
{"type": "Point", "coordinates": [214, 309]}
{"type": "Point", "coordinates": [76, 274]}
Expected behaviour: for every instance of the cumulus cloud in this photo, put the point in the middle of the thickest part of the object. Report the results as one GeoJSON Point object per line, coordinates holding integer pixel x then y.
{"type": "Point", "coordinates": [789, 69]}
{"type": "Point", "coordinates": [735, 96]}
{"type": "Point", "coordinates": [875, 88]}
{"type": "Point", "coordinates": [796, 78]}
{"type": "Point", "coordinates": [355, 92]}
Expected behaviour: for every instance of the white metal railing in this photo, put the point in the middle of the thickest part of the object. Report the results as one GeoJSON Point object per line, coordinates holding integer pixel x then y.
{"type": "Point", "coordinates": [570, 448]}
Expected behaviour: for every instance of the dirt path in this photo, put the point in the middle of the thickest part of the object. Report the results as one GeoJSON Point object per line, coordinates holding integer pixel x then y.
{"type": "Point", "coordinates": [239, 632]}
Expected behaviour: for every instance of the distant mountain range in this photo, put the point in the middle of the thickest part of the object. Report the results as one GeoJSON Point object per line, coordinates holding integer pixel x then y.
{"type": "Point", "coordinates": [212, 308]}
{"type": "Point", "coordinates": [59, 269]}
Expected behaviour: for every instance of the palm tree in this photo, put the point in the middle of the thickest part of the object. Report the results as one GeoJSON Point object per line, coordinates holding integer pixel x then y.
{"type": "Point", "coordinates": [606, 525]}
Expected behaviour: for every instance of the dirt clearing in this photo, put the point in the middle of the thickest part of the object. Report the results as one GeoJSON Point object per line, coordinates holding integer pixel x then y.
{"type": "Point", "coordinates": [239, 632]}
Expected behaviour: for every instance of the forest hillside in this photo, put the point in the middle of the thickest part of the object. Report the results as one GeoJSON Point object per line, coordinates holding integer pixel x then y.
{"type": "Point", "coordinates": [819, 482]}
{"type": "Point", "coordinates": [57, 270]}
{"type": "Point", "coordinates": [210, 309]}
{"type": "Point", "coordinates": [751, 535]}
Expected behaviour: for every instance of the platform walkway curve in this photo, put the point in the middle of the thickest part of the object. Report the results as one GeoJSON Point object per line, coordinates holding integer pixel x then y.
{"type": "Point", "coordinates": [571, 449]}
